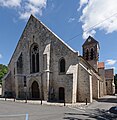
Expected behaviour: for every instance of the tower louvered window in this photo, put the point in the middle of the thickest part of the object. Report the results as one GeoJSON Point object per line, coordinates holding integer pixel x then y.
{"type": "Point", "coordinates": [87, 54]}
{"type": "Point", "coordinates": [92, 54]}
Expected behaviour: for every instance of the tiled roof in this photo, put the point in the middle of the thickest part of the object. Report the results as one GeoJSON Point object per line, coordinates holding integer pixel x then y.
{"type": "Point", "coordinates": [101, 65]}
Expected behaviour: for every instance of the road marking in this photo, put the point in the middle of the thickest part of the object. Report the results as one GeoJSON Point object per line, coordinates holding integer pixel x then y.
{"type": "Point", "coordinates": [26, 116]}
{"type": "Point", "coordinates": [76, 109]}
{"type": "Point", "coordinates": [13, 115]}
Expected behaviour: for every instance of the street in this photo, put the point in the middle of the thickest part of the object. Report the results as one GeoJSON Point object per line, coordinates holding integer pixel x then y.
{"type": "Point", "coordinates": [98, 110]}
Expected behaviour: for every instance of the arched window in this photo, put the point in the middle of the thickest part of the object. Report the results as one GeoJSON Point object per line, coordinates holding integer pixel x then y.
{"type": "Point", "coordinates": [92, 54]}
{"type": "Point", "coordinates": [20, 64]}
{"type": "Point", "coordinates": [62, 65]}
{"type": "Point", "coordinates": [87, 54]}
{"type": "Point", "coordinates": [34, 58]}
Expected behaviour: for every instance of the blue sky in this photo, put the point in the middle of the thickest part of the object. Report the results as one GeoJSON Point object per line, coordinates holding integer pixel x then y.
{"type": "Point", "coordinates": [66, 18]}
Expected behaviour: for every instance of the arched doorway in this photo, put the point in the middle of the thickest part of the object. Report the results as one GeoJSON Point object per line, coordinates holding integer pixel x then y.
{"type": "Point", "coordinates": [61, 94]}
{"type": "Point", "coordinates": [35, 90]}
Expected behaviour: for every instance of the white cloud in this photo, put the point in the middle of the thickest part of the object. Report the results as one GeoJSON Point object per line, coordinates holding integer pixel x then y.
{"type": "Point", "coordinates": [95, 12]}
{"type": "Point", "coordinates": [34, 7]}
{"type": "Point", "coordinates": [110, 62]}
{"type": "Point", "coordinates": [82, 2]}
{"type": "Point", "coordinates": [25, 7]}
{"type": "Point", "coordinates": [71, 20]}
{"type": "Point", "coordinates": [10, 3]}
{"type": "Point", "coordinates": [40, 3]}
{"type": "Point", "coordinates": [0, 56]}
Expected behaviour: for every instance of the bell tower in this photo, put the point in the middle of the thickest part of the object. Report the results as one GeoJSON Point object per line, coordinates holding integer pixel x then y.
{"type": "Point", "coordinates": [91, 52]}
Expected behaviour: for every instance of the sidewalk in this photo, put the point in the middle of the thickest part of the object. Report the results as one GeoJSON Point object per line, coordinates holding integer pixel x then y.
{"type": "Point", "coordinates": [38, 102]}
{"type": "Point", "coordinates": [105, 99]}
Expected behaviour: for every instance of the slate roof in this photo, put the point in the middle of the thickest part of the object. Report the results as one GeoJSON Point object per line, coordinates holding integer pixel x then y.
{"type": "Point", "coordinates": [87, 42]}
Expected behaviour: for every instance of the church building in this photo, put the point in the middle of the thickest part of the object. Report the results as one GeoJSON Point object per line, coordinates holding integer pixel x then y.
{"type": "Point", "coordinates": [44, 67]}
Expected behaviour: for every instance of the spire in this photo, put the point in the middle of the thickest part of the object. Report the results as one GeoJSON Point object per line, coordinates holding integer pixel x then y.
{"type": "Point", "coordinates": [90, 40]}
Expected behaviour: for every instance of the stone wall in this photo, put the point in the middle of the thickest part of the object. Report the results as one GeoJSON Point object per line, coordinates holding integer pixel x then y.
{"type": "Point", "coordinates": [109, 87]}
{"type": "Point", "coordinates": [101, 92]}
{"type": "Point", "coordinates": [67, 80]}
{"type": "Point", "coordinates": [6, 84]}
{"type": "Point", "coordinates": [84, 83]}
{"type": "Point", "coordinates": [95, 87]}
{"type": "Point", "coordinates": [102, 75]}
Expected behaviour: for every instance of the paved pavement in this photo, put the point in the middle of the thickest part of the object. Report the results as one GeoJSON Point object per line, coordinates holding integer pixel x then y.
{"type": "Point", "coordinates": [44, 102]}
{"type": "Point", "coordinates": [98, 110]}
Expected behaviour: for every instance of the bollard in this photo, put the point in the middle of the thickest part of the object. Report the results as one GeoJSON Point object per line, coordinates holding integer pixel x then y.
{"type": "Point", "coordinates": [5, 98]}
{"type": "Point", "coordinates": [26, 97]}
{"type": "Point", "coordinates": [5, 95]}
{"type": "Point", "coordinates": [86, 101]}
{"type": "Point", "coordinates": [64, 102]}
{"type": "Point", "coordinates": [41, 101]}
{"type": "Point", "coordinates": [14, 98]}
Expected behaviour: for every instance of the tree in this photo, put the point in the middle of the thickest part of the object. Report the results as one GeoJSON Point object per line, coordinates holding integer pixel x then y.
{"type": "Point", "coordinates": [115, 81]}
{"type": "Point", "coordinates": [3, 71]}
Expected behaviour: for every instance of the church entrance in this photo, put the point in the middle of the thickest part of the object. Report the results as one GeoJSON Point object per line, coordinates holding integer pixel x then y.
{"type": "Point", "coordinates": [61, 94]}
{"type": "Point", "coordinates": [35, 90]}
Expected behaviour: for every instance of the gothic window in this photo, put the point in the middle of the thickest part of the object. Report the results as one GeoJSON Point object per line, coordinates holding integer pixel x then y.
{"type": "Point", "coordinates": [87, 54]}
{"type": "Point", "coordinates": [34, 58]}
{"type": "Point", "coordinates": [20, 65]}
{"type": "Point", "coordinates": [92, 54]}
{"type": "Point", "coordinates": [62, 65]}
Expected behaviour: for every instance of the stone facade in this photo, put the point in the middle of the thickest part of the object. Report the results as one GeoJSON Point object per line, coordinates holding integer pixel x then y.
{"type": "Point", "coordinates": [110, 86]}
{"type": "Point", "coordinates": [105, 84]}
{"type": "Point", "coordinates": [45, 67]}
{"type": "Point", "coordinates": [101, 70]}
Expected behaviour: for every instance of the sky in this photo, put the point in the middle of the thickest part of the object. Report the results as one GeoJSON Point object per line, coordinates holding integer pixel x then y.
{"type": "Point", "coordinates": [72, 20]}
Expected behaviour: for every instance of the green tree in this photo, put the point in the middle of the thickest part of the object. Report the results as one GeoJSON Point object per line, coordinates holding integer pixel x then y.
{"type": "Point", "coordinates": [115, 81]}
{"type": "Point", "coordinates": [3, 71]}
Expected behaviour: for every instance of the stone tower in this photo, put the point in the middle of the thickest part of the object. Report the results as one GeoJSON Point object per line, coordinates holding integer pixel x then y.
{"type": "Point", "coordinates": [91, 52]}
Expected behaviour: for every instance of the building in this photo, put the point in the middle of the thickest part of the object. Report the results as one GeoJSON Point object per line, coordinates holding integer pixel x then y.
{"type": "Point", "coordinates": [109, 77]}
{"type": "Point", "coordinates": [45, 67]}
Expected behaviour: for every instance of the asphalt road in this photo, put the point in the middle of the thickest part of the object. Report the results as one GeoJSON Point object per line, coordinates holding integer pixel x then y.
{"type": "Point", "coordinates": [98, 110]}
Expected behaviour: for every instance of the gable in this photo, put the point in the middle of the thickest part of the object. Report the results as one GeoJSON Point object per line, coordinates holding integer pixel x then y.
{"type": "Point", "coordinates": [90, 40]}
{"type": "Point", "coordinates": [34, 27]}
